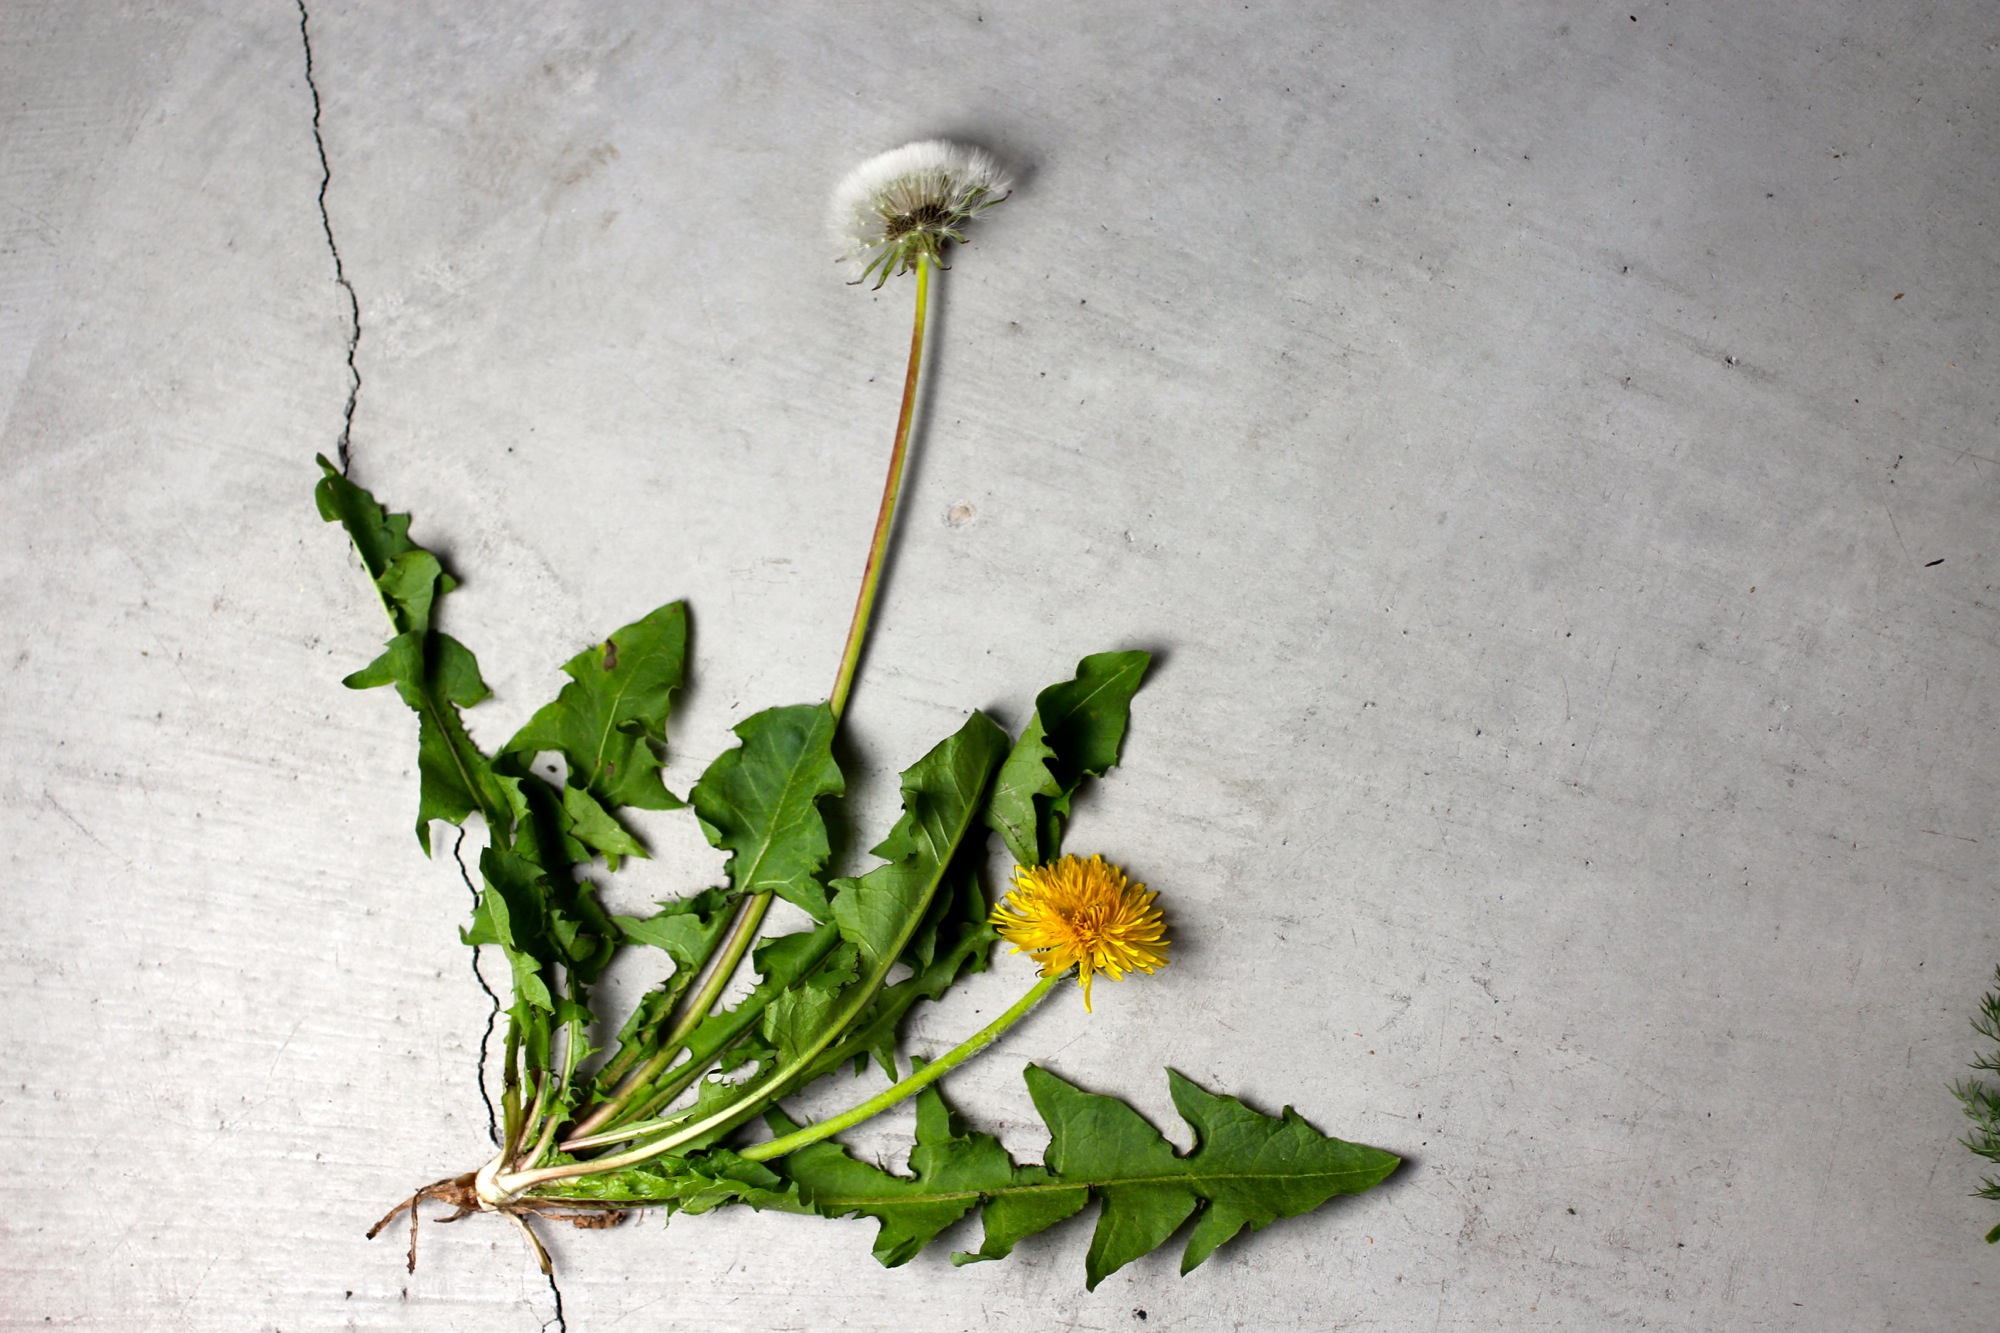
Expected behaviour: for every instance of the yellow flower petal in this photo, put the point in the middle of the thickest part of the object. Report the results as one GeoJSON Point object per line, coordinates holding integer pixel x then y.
{"type": "Point", "coordinates": [1086, 915]}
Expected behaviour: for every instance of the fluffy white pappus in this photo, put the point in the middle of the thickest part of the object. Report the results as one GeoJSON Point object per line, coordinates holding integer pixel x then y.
{"type": "Point", "coordinates": [910, 201]}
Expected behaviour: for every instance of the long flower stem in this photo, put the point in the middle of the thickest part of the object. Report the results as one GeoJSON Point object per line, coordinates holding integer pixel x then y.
{"type": "Point", "coordinates": [743, 930]}
{"type": "Point", "coordinates": [750, 914]}
{"type": "Point", "coordinates": [908, 1087]}
{"type": "Point", "coordinates": [871, 574]}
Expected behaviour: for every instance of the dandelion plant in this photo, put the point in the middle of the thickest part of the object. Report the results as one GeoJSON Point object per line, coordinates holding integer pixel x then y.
{"type": "Point", "coordinates": [685, 1111]}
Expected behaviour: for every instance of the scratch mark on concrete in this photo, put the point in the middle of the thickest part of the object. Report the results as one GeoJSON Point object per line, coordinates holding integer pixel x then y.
{"type": "Point", "coordinates": [1936, 1164]}
{"type": "Point", "coordinates": [1893, 528]}
{"type": "Point", "coordinates": [48, 798]}
{"type": "Point", "coordinates": [1588, 746]}
{"type": "Point", "coordinates": [283, 1046]}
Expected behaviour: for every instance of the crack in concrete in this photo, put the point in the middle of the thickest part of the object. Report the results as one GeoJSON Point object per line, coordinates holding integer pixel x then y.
{"type": "Point", "coordinates": [492, 1014]}
{"type": "Point", "coordinates": [559, 1322]}
{"type": "Point", "coordinates": [345, 439]}
{"type": "Point", "coordinates": [342, 448]}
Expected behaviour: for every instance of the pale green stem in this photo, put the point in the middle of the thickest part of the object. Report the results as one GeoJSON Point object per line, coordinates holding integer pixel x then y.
{"type": "Point", "coordinates": [742, 931]}
{"type": "Point", "coordinates": [908, 1087]}
{"type": "Point", "coordinates": [543, 1081]}
{"type": "Point", "coordinates": [510, 1088]}
{"type": "Point", "coordinates": [546, 1113]}
{"type": "Point", "coordinates": [653, 1121]}
{"type": "Point", "coordinates": [542, 1144]}
{"type": "Point", "coordinates": [626, 1133]}
{"type": "Point", "coordinates": [755, 1098]}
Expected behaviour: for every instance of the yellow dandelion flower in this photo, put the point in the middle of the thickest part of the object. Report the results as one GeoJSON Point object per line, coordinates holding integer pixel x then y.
{"type": "Point", "coordinates": [1083, 914]}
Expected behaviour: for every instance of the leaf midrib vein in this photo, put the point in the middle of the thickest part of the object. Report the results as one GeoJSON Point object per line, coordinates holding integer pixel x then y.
{"type": "Point", "coordinates": [793, 779]}
{"type": "Point", "coordinates": [618, 699]}
{"type": "Point", "coordinates": [1056, 1187]}
{"type": "Point", "coordinates": [437, 713]}
{"type": "Point", "coordinates": [1106, 684]}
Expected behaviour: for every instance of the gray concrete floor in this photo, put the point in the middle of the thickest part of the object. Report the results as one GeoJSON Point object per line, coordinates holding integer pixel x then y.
{"type": "Point", "coordinates": [1553, 447]}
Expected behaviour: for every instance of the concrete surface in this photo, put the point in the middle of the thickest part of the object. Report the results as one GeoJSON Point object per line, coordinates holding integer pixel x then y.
{"type": "Point", "coordinates": [1553, 447]}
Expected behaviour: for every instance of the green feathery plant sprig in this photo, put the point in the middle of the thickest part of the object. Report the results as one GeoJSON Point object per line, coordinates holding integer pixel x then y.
{"type": "Point", "coordinates": [1981, 1099]}
{"type": "Point", "coordinates": [660, 1120]}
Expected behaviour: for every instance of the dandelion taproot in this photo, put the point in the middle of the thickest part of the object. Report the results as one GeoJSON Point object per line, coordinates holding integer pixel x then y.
{"type": "Point", "coordinates": [1086, 915]}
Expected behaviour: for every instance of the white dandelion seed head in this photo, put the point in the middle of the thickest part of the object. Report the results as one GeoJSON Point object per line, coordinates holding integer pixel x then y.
{"type": "Point", "coordinates": [910, 201]}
